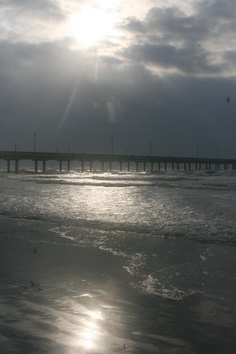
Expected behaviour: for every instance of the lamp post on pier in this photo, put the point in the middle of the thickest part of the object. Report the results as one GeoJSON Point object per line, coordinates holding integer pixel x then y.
{"type": "Point", "coordinates": [150, 148]}
{"type": "Point", "coordinates": [112, 146]}
{"type": "Point", "coordinates": [34, 143]}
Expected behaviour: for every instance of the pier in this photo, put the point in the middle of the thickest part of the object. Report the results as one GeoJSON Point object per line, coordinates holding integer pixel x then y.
{"type": "Point", "coordinates": [107, 161]}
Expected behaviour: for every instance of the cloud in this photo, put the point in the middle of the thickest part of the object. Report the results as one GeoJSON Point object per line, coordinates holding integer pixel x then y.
{"type": "Point", "coordinates": [30, 21]}
{"type": "Point", "coordinates": [218, 10]}
{"type": "Point", "coordinates": [165, 80]}
{"type": "Point", "coordinates": [195, 42]}
{"type": "Point", "coordinates": [132, 24]}
{"type": "Point", "coordinates": [72, 101]}
{"type": "Point", "coordinates": [174, 25]}
{"type": "Point", "coordinates": [45, 9]}
{"type": "Point", "coordinates": [187, 60]}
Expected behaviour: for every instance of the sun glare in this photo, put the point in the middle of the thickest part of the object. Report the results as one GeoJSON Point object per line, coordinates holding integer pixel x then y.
{"type": "Point", "coordinates": [93, 24]}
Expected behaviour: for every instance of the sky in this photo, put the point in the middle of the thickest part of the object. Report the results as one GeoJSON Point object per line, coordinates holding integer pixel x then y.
{"type": "Point", "coordinates": [83, 74]}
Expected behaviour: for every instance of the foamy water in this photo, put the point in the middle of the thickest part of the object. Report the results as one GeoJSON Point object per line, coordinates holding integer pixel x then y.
{"type": "Point", "coordinates": [132, 215]}
{"type": "Point", "coordinates": [196, 206]}
{"type": "Point", "coordinates": [124, 262]}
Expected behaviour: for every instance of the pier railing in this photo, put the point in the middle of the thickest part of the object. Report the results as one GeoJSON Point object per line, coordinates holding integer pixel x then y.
{"type": "Point", "coordinates": [176, 162]}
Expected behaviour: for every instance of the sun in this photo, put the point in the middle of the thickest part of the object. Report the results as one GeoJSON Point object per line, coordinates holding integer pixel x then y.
{"type": "Point", "coordinates": [92, 25]}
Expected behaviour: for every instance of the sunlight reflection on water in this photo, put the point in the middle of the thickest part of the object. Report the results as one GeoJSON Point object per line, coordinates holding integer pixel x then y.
{"type": "Point", "coordinates": [80, 327]}
{"type": "Point", "coordinates": [92, 333]}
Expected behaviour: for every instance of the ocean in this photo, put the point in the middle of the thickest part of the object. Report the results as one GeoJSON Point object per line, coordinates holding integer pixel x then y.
{"type": "Point", "coordinates": [128, 262]}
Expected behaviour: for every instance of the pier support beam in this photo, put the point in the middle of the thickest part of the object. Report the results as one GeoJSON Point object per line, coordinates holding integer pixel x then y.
{"type": "Point", "coordinates": [44, 166]}
{"type": "Point", "coordinates": [16, 166]}
{"type": "Point", "coordinates": [36, 166]}
{"type": "Point", "coordinates": [142, 163]}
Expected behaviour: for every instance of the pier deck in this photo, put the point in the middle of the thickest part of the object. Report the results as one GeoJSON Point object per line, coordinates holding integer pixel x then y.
{"type": "Point", "coordinates": [146, 161]}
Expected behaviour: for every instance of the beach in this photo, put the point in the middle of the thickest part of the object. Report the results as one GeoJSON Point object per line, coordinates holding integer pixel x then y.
{"type": "Point", "coordinates": [58, 297]}
{"type": "Point", "coordinates": [117, 177]}
{"type": "Point", "coordinates": [123, 262]}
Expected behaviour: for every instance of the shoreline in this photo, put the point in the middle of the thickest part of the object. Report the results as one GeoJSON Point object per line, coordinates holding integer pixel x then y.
{"type": "Point", "coordinates": [58, 296]}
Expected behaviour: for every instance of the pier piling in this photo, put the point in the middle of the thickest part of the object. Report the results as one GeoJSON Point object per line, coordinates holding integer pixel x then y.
{"type": "Point", "coordinates": [146, 161]}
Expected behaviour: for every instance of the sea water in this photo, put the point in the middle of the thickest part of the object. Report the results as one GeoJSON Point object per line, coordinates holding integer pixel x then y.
{"type": "Point", "coordinates": [172, 235]}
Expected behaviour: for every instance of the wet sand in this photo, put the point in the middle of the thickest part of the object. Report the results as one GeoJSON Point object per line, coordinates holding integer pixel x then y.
{"type": "Point", "coordinates": [62, 298]}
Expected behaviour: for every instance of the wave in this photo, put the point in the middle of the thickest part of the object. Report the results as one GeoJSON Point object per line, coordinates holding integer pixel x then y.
{"type": "Point", "coordinates": [195, 181]}
{"type": "Point", "coordinates": [153, 286]}
{"type": "Point", "coordinates": [167, 206]}
{"type": "Point", "coordinates": [101, 232]}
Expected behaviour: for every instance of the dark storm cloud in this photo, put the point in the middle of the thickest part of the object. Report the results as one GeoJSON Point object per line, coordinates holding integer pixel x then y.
{"type": "Point", "coordinates": [218, 10]}
{"type": "Point", "coordinates": [55, 91]}
{"type": "Point", "coordinates": [175, 25]}
{"type": "Point", "coordinates": [70, 100]}
{"type": "Point", "coordinates": [187, 60]}
{"type": "Point", "coordinates": [78, 98]}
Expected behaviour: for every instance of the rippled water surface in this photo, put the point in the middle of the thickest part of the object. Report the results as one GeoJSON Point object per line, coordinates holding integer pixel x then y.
{"type": "Point", "coordinates": [132, 262]}
{"type": "Point", "coordinates": [130, 213]}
